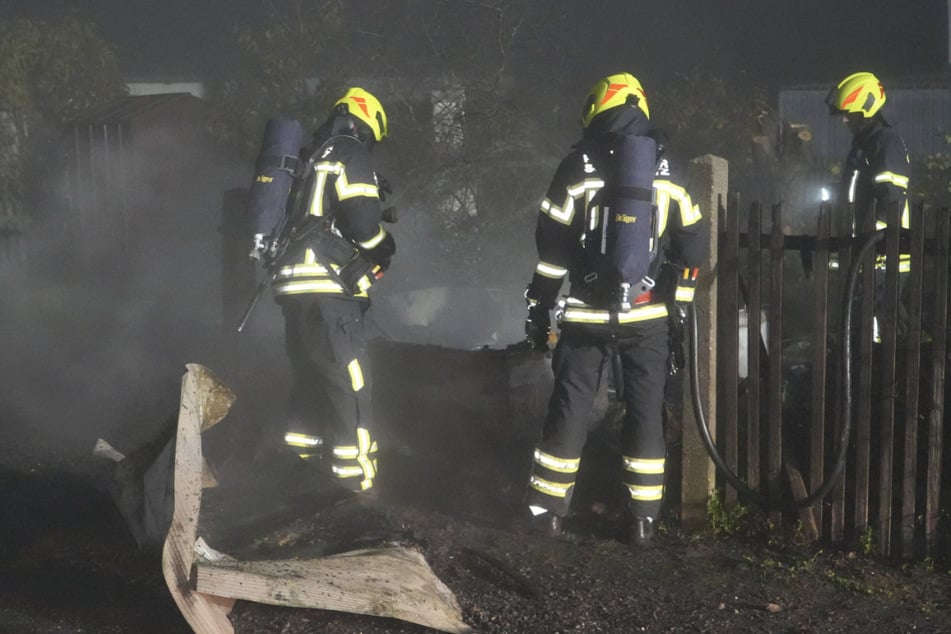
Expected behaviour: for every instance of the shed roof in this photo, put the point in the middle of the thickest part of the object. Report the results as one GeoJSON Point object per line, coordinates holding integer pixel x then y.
{"type": "Point", "coordinates": [128, 108]}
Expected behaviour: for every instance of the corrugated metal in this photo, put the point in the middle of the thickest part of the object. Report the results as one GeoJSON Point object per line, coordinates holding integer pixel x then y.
{"type": "Point", "coordinates": [921, 115]}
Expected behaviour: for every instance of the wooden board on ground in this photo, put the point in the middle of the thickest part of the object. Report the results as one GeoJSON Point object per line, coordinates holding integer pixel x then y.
{"type": "Point", "coordinates": [394, 582]}
{"type": "Point", "coordinates": [806, 515]}
{"type": "Point", "coordinates": [391, 582]}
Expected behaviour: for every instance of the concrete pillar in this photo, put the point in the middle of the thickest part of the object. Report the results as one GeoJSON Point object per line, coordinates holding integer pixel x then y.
{"type": "Point", "coordinates": [707, 183]}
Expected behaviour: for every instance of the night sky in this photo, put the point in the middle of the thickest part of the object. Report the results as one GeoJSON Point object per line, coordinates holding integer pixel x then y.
{"type": "Point", "coordinates": [777, 43]}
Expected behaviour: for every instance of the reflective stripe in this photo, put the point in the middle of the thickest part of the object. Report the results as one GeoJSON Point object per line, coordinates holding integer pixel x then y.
{"type": "Point", "coordinates": [302, 440]}
{"type": "Point", "coordinates": [891, 177]}
{"type": "Point", "coordinates": [344, 188]}
{"type": "Point", "coordinates": [554, 489]}
{"type": "Point", "coordinates": [351, 452]}
{"type": "Point", "coordinates": [562, 214]}
{"type": "Point", "coordinates": [366, 463]}
{"type": "Point", "coordinates": [317, 193]}
{"type": "Point", "coordinates": [311, 286]}
{"type": "Point", "coordinates": [646, 494]}
{"type": "Point", "coordinates": [642, 314]}
{"type": "Point", "coordinates": [550, 270]}
{"type": "Point", "coordinates": [356, 375]}
{"type": "Point", "coordinates": [904, 263]}
{"type": "Point", "coordinates": [362, 453]}
{"type": "Point", "coordinates": [684, 294]}
{"type": "Point", "coordinates": [589, 315]}
{"type": "Point", "coordinates": [326, 285]}
{"type": "Point", "coordinates": [662, 201]}
{"type": "Point", "coordinates": [905, 219]}
{"type": "Point", "coordinates": [300, 270]}
{"type": "Point", "coordinates": [561, 465]}
{"type": "Point", "coordinates": [566, 212]}
{"type": "Point", "coordinates": [641, 465]}
{"type": "Point", "coordinates": [346, 452]}
{"type": "Point", "coordinates": [852, 184]}
{"type": "Point", "coordinates": [347, 472]}
{"type": "Point", "coordinates": [689, 213]}
{"type": "Point", "coordinates": [375, 240]}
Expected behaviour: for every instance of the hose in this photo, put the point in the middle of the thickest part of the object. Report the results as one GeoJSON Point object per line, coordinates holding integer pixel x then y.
{"type": "Point", "coordinates": [845, 415]}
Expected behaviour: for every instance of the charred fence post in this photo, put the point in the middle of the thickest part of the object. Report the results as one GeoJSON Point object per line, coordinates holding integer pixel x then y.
{"type": "Point", "coordinates": [936, 395]}
{"type": "Point", "coordinates": [728, 331]}
{"type": "Point", "coordinates": [909, 472]}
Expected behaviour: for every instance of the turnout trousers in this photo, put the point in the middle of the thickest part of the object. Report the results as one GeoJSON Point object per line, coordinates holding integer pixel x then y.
{"type": "Point", "coordinates": [330, 399]}
{"type": "Point", "coordinates": [581, 359]}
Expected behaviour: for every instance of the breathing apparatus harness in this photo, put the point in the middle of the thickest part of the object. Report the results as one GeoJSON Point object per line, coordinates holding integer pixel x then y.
{"type": "Point", "coordinates": [279, 187]}
{"type": "Point", "coordinates": [618, 253]}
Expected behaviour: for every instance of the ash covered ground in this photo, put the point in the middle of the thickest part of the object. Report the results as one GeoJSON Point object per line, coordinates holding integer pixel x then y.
{"type": "Point", "coordinates": [452, 491]}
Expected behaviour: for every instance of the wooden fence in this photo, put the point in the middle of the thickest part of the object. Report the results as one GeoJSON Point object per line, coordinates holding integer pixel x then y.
{"type": "Point", "coordinates": [780, 429]}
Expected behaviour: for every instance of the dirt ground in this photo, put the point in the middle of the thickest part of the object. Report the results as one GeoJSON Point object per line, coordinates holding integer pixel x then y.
{"type": "Point", "coordinates": [70, 564]}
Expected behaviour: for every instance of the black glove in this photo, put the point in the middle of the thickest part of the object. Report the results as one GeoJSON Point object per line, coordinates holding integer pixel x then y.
{"type": "Point", "coordinates": [383, 252]}
{"type": "Point", "coordinates": [383, 186]}
{"type": "Point", "coordinates": [538, 327]}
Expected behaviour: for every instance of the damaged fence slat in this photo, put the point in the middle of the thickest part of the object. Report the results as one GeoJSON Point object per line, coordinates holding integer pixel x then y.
{"type": "Point", "coordinates": [203, 403]}
{"type": "Point", "coordinates": [389, 582]}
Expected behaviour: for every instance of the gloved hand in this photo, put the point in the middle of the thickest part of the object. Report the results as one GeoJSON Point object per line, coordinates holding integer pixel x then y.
{"type": "Point", "coordinates": [259, 247]}
{"type": "Point", "coordinates": [383, 186]}
{"type": "Point", "coordinates": [537, 327]}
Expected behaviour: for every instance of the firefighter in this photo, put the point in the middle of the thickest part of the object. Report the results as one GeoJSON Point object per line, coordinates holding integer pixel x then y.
{"type": "Point", "coordinates": [616, 174]}
{"type": "Point", "coordinates": [330, 398]}
{"type": "Point", "coordinates": [875, 175]}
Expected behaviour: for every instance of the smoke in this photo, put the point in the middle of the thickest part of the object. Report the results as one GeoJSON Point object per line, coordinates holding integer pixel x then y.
{"type": "Point", "coordinates": [110, 304]}
{"type": "Point", "coordinates": [99, 320]}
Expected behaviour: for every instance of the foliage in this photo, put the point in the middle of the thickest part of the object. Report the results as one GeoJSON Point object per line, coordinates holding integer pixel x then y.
{"type": "Point", "coordinates": [726, 521]}
{"type": "Point", "coordinates": [475, 64]}
{"type": "Point", "coordinates": [49, 73]}
{"type": "Point", "coordinates": [706, 114]}
{"type": "Point", "coordinates": [932, 176]}
{"type": "Point", "coordinates": [867, 541]}
{"type": "Point", "coordinates": [283, 68]}
{"type": "Point", "coordinates": [52, 71]}
{"type": "Point", "coordinates": [468, 161]}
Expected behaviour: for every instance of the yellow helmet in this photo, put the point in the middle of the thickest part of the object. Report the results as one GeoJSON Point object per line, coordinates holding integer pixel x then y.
{"type": "Point", "coordinates": [611, 92]}
{"type": "Point", "coordinates": [860, 93]}
{"type": "Point", "coordinates": [367, 108]}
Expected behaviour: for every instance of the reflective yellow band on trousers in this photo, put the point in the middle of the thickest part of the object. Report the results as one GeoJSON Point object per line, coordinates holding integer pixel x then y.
{"type": "Point", "coordinates": [561, 465]}
{"type": "Point", "coordinates": [646, 494]}
{"type": "Point", "coordinates": [554, 489]}
{"type": "Point", "coordinates": [356, 375]}
{"type": "Point", "coordinates": [639, 465]}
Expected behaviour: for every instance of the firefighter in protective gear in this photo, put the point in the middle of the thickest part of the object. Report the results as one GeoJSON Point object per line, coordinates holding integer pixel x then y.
{"type": "Point", "coordinates": [330, 399]}
{"type": "Point", "coordinates": [876, 172]}
{"type": "Point", "coordinates": [616, 173]}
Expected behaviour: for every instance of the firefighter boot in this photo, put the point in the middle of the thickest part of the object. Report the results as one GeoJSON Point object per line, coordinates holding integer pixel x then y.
{"type": "Point", "coordinates": [546, 523]}
{"type": "Point", "coordinates": [642, 532]}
